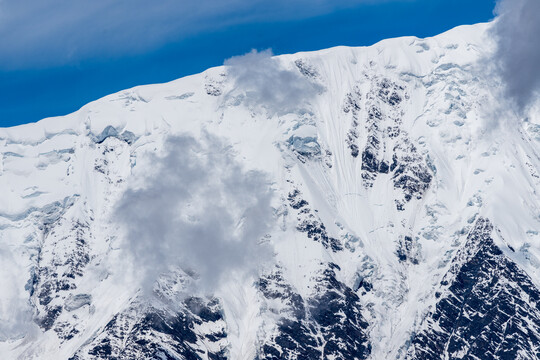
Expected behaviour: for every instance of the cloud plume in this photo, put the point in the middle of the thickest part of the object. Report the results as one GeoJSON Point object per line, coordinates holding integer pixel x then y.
{"type": "Point", "coordinates": [199, 211]}
{"type": "Point", "coordinates": [16, 313]}
{"type": "Point", "coordinates": [266, 82]}
{"type": "Point", "coordinates": [517, 55]}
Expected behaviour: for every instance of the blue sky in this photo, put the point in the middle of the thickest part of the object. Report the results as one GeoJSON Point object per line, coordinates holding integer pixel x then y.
{"type": "Point", "coordinates": [58, 55]}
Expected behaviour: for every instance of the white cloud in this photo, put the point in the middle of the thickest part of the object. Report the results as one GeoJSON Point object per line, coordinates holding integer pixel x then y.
{"type": "Point", "coordinates": [265, 82]}
{"type": "Point", "coordinates": [201, 211]}
{"type": "Point", "coordinates": [16, 314]}
{"type": "Point", "coordinates": [518, 50]}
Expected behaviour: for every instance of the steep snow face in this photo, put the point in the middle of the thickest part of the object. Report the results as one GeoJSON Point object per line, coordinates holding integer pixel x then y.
{"type": "Point", "coordinates": [404, 218]}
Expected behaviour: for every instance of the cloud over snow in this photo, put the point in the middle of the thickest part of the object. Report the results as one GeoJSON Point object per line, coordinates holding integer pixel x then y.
{"type": "Point", "coordinates": [517, 57]}
{"type": "Point", "coordinates": [264, 81]}
{"type": "Point", "coordinates": [200, 211]}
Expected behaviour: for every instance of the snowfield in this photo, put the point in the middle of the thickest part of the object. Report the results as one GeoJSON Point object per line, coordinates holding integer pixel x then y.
{"type": "Point", "coordinates": [350, 203]}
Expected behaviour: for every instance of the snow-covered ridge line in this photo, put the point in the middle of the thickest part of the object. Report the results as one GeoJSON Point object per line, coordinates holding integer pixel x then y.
{"type": "Point", "coordinates": [50, 127]}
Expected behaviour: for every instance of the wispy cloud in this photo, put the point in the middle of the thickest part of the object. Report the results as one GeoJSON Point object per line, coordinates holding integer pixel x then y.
{"type": "Point", "coordinates": [55, 32]}
{"type": "Point", "coordinates": [16, 314]}
{"type": "Point", "coordinates": [517, 57]}
{"type": "Point", "coordinates": [199, 211]}
{"type": "Point", "coordinates": [265, 82]}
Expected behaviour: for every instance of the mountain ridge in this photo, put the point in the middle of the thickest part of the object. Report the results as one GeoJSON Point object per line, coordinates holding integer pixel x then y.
{"type": "Point", "coordinates": [375, 163]}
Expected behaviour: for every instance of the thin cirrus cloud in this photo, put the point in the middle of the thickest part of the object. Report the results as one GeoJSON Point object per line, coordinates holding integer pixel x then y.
{"type": "Point", "coordinates": [517, 55]}
{"type": "Point", "coordinates": [57, 32]}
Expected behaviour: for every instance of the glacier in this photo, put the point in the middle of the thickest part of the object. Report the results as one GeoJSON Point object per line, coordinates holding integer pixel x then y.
{"type": "Point", "coordinates": [382, 205]}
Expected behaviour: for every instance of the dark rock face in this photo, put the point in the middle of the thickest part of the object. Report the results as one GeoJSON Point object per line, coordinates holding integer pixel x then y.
{"type": "Point", "coordinates": [328, 325]}
{"type": "Point", "coordinates": [336, 308]}
{"type": "Point", "coordinates": [150, 333]}
{"type": "Point", "coordinates": [311, 224]}
{"type": "Point", "coordinates": [56, 278]}
{"type": "Point", "coordinates": [353, 106]}
{"type": "Point", "coordinates": [214, 85]}
{"type": "Point", "coordinates": [390, 92]}
{"type": "Point", "coordinates": [380, 112]}
{"type": "Point", "coordinates": [306, 68]}
{"type": "Point", "coordinates": [388, 148]}
{"type": "Point", "coordinates": [408, 250]}
{"type": "Point", "coordinates": [488, 307]}
{"type": "Point", "coordinates": [294, 336]}
{"type": "Point", "coordinates": [410, 172]}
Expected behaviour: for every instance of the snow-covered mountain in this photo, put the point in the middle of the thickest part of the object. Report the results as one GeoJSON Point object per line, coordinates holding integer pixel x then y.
{"type": "Point", "coordinates": [351, 203]}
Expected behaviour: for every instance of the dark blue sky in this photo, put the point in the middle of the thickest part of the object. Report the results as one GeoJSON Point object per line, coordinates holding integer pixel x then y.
{"type": "Point", "coordinates": [38, 80]}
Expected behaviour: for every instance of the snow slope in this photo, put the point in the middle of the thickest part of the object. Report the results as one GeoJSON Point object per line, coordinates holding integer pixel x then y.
{"type": "Point", "coordinates": [401, 185]}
